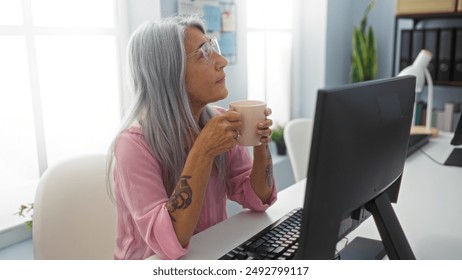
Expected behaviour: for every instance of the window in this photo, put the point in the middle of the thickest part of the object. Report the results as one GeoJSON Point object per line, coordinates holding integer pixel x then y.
{"type": "Point", "coordinates": [59, 84]}
{"type": "Point", "coordinates": [269, 54]}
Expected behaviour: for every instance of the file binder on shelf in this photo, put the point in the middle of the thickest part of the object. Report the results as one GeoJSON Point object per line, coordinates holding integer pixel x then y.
{"type": "Point", "coordinates": [444, 55]}
{"type": "Point", "coordinates": [457, 69]}
{"type": "Point", "coordinates": [431, 44]}
{"type": "Point", "coordinates": [405, 50]}
{"type": "Point", "coordinates": [417, 42]}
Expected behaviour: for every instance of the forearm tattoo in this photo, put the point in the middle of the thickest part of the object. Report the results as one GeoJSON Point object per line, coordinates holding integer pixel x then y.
{"type": "Point", "coordinates": [269, 168]}
{"type": "Point", "coordinates": [181, 197]}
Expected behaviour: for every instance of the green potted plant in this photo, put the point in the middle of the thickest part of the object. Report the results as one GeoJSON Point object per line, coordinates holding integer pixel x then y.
{"type": "Point", "coordinates": [278, 138]}
{"type": "Point", "coordinates": [364, 53]}
{"type": "Point", "coordinates": [26, 209]}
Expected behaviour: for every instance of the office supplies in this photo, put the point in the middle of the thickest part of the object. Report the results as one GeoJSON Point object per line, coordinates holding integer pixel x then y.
{"type": "Point", "coordinates": [431, 44]}
{"type": "Point", "coordinates": [457, 72]}
{"type": "Point", "coordinates": [405, 50]}
{"type": "Point", "coordinates": [359, 145]}
{"type": "Point", "coordinates": [445, 55]}
{"type": "Point", "coordinates": [420, 110]}
{"type": "Point", "coordinates": [417, 42]}
{"type": "Point", "coordinates": [450, 108]}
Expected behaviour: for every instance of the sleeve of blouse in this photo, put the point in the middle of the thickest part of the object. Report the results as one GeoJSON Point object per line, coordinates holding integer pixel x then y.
{"type": "Point", "coordinates": [139, 184]}
{"type": "Point", "coordinates": [240, 189]}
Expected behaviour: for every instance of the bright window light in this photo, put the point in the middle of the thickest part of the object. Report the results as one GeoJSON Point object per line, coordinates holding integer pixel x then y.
{"type": "Point", "coordinates": [278, 74]}
{"type": "Point", "coordinates": [18, 149]}
{"type": "Point", "coordinates": [59, 85]}
{"type": "Point", "coordinates": [10, 12]}
{"type": "Point", "coordinates": [256, 65]}
{"type": "Point", "coordinates": [73, 13]}
{"type": "Point", "coordinates": [80, 96]}
{"type": "Point", "coordinates": [269, 54]}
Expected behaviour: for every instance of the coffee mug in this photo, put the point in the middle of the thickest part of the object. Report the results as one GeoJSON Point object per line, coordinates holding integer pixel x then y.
{"type": "Point", "coordinates": [252, 112]}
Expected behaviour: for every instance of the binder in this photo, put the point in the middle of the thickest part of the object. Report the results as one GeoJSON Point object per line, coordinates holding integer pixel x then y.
{"type": "Point", "coordinates": [431, 44]}
{"type": "Point", "coordinates": [419, 111]}
{"type": "Point", "coordinates": [450, 108]}
{"type": "Point", "coordinates": [440, 120]}
{"type": "Point", "coordinates": [405, 49]}
{"type": "Point", "coordinates": [457, 70]}
{"type": "Point", "coordinates": [444, 55]}
{"type": "Point", "coordinates": [417, 43]}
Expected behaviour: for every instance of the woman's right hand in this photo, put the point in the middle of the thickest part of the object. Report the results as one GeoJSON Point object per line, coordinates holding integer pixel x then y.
{"type": "Point", "coordinates": [219, 134]}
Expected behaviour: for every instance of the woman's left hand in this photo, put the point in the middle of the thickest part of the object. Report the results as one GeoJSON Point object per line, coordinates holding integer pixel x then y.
{"type": "Point", "coordinates": [263, 128]}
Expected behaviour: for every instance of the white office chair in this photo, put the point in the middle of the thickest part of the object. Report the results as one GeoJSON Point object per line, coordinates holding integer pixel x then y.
{"type": "Point", "coordinates": [74, 218]}
{"type": "Point", "coordinates": [297, 136]}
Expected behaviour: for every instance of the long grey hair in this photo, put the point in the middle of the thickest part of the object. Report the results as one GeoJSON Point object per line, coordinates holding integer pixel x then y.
{"type": "Point", "coordinates": [156, 71]}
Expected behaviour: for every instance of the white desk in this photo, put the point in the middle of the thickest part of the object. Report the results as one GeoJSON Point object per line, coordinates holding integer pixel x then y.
{"type": "Point", "coordinates": [429, 208]}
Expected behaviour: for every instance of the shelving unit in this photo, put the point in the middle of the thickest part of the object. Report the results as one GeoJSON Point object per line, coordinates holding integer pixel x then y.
{"type": "Point", "coordinates": [446, 20]}
{"type": "Point", "coordinates": [446, 92]}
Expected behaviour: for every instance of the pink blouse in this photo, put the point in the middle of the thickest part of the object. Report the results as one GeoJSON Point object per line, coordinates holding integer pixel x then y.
{"type": "Point", "coordinates": [144, 225]}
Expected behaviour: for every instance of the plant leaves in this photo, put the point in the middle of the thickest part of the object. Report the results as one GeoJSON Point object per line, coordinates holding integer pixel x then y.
{"type": "Point", "coordinates": [364, 52]}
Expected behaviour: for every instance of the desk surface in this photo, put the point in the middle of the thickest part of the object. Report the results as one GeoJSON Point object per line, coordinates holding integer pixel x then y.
{"type": "Point", "coordinates": [429, 208]}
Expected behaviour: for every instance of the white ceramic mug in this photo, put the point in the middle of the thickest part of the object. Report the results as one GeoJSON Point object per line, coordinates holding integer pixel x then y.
{"type": "Point", "coordinates": [252, 112]}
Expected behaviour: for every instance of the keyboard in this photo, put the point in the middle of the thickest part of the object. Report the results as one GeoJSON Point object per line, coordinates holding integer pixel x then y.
{"type": "Point", "coordinates": [278, 241]}
{"type": "Point", "coordinates": [417, 141]}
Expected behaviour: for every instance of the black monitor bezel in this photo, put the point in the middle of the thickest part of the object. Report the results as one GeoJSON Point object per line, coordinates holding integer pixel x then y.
{"type": "Point", "coordinates": [457, 138]}
{"type": "Point", "coordinates": [318, 237]}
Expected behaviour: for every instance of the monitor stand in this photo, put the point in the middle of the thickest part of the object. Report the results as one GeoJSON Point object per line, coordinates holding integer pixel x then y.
{"type": "Point", "coordinates": [390, 230]}
{"type": "Point", "coordinates": [363, 249]}
{"type": "Point", "coordinates": [455, 158]}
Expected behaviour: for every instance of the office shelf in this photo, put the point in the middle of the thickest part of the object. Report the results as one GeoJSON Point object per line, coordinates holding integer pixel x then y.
{"type": "Point", "coordinates": [440, 20]}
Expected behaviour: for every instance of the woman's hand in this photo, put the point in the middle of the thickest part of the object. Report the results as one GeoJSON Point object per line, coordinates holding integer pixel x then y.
{"type": "Point", "coordinates": [263, 128]}
{"type": "Point", "coordinates": [261, 177]}
{"type": "Point", "coordinates": [219, 134]}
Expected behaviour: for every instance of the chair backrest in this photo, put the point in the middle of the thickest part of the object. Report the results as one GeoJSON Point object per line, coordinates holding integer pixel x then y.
{"type": "Point", "coordinates": [74, 218]}
{"type": "Point", "coordinates": [297, 136]}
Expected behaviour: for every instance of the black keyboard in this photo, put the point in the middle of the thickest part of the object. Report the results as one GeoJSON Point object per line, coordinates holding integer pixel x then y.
{"type": "Point", "coordinates": [417, 141]}
{"type": "Point", "coordinates": [278, 241]}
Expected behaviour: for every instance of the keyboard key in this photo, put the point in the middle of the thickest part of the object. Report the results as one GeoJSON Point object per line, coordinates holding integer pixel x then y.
{"type": "Point", "coordinates": [278, 250]}
{"type": "Point", "coordinates": [256, 244]}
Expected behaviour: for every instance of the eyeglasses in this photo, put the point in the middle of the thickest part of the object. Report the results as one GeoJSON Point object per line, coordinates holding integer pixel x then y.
{"type": "Point", "coordinates": [207, 49]}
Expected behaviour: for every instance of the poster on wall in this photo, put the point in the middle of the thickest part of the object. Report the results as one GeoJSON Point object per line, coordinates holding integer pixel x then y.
{"type": "Point", "coordinates": [220, 18]}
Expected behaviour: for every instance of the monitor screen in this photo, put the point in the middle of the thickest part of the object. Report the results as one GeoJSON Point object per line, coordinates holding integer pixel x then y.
{"type": "Point", "coordinates": [455, 158]}
{"type": "Point", "coordinates": [358, 150]}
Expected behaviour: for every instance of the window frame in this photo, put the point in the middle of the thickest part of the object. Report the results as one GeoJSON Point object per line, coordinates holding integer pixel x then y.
{"type": "Point", "coordinates": [12, 230]}
{"type": "Point", "coordinates": [264, 31]}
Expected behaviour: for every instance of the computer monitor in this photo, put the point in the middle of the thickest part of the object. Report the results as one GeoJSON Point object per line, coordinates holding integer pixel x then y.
{"type": "Point", "coordinates": [455, 158]}
{"type": "Point", "coordinates": [358, 150]}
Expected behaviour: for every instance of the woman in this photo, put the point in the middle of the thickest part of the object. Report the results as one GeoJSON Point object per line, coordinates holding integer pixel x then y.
{"type": "Point", "coordinates": [175, 158]}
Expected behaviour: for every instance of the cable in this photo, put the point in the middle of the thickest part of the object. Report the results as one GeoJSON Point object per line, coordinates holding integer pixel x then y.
{"type": "Point", "coordinates": [430, 157]}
